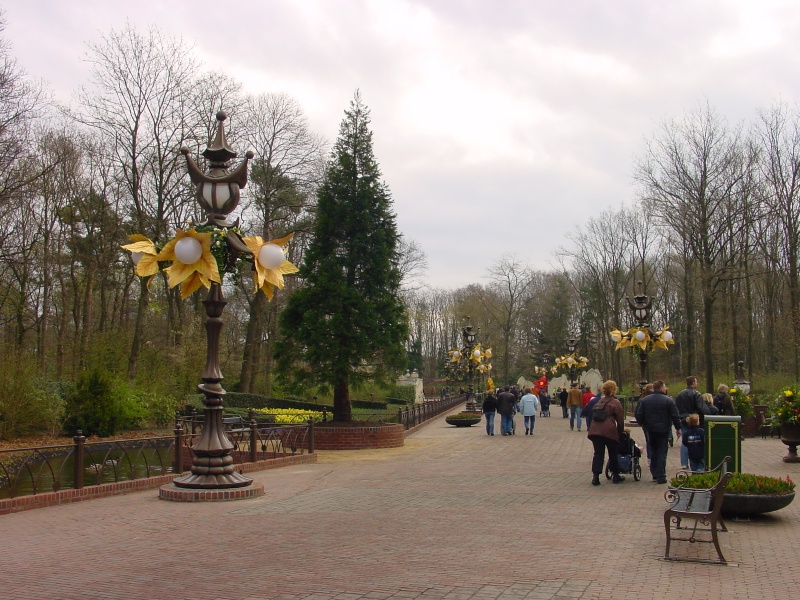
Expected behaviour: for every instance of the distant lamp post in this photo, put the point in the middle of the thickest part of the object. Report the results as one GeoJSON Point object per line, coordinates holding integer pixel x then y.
{"type": "Point", "coordinates": [571, 362]}
{"type": "Point", "coordinates": [468, 359]}
{"type": "Point", "coordinates": [640, 338]}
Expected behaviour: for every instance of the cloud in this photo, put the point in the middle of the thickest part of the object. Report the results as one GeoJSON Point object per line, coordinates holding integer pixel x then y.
{"type": "Point", "coordinates": [499, 127]}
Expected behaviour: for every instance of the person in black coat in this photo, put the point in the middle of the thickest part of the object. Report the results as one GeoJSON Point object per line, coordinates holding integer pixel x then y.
{"type": "Point", "coordinates": [656, 413]}
{"type": "Point", "coordinates": [562, 398]}
{"type": "Point", "coordinates": [689, 401]}
{"type": "Point", "coordinates": [489, 410]}
{"type": "Point", "coordinates": [506, 406]}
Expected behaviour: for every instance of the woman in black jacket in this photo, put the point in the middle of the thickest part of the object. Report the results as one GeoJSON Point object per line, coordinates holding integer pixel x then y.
{"type": "Point", "coordinates": [723, 401]}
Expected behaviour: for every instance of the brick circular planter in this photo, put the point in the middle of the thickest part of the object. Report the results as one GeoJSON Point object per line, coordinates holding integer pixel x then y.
{"type": "Point", "coordinates": [347, 436]}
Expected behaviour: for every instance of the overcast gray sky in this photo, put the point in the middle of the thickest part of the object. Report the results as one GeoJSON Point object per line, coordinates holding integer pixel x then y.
{"type": "Point", "coordinates": [499, 125]}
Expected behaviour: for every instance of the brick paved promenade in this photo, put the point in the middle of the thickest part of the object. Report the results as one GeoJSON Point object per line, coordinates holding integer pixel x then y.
{"type": "Point", "coordinates": [453, 514]}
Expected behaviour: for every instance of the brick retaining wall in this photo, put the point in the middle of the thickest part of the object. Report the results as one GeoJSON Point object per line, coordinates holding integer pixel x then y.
{"type": "Point", "coordinates": [20, 503]}
{"type": "Point", "coordinates": [358, 438]}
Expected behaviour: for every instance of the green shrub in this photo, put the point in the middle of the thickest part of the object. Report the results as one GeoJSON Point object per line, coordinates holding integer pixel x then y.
{"type": "Point", "coordinates": [405, 393]}
{"type": "Point", "coordinates": [29, 406]}
{"type": "Point", "coordinates": [742, 404]}
{"type": "Point", "coordinates": [157, 409]}
{"type": "Point", "coordinates": [464, 415]}
{"type": "Point", "coordinates": [102, 405]}
{"type": "Point", "coordinates": [740, 483]}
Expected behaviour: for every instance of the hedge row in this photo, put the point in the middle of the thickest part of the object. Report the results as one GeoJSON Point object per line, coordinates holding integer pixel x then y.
{"type": "Point", "coordinates": [239, 400]}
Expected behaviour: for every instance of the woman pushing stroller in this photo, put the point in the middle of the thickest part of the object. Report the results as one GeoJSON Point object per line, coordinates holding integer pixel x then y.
{"type": "Point", "coordinates": [605, 432]}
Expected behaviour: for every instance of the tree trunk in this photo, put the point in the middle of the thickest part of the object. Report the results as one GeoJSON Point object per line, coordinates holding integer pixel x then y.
{"type": "Point", "coordinates": [251, 341]}
{"type": "Point", "coordinates": [86, 320]}
{"type": "Point", "coordinates": [342, 412]}
{"type": "Point", "coordinates": [794, 300]}
{"type": "Point", "coordinates": [688, 344]}
{"type": "Point", "coordinates": [708, 309]}
{"type": "Point", "coordinates": [138, 330]}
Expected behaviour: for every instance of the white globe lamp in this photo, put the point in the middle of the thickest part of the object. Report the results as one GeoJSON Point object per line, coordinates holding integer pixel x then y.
{"type": "Point", "coordinates": [188, 250]}
{"type": "Point", "coordinates": [270, 256]}
{"type": "Point", "coordinates": [639, 335]}
{"type": "Point", "coordinates": [667, 336]}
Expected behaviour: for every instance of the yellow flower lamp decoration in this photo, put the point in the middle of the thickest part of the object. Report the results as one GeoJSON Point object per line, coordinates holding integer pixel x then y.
{"type": "Point", "coordinates": [144, 255]}
{"type": "Point", "coordinates": [455, 355]}
{"type": "Point", "coordinates": [663, 338]}
{"type": "Point", "coordinates": [193, 265]}
{"type": "Point", "coordinates": [269, 259]}
{"type": "Point", "coordinates": [622, 338]}
{"type": "Point", "coordinates": [477, 355]}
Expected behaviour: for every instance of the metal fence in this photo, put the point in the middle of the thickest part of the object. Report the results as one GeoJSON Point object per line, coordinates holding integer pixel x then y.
{"type": "Point", "coordinates": [36, 470]}
{"type": "Point", "coordinates": [419, 413]}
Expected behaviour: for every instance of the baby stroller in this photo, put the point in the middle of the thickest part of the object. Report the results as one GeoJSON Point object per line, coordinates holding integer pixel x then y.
{"type": "Point", "coordinates": [544, 402]}
{"type": "Point", "coordinates": [628, 458]}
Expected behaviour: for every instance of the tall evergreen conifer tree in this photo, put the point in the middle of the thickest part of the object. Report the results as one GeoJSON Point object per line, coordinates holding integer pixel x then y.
{"type": "Point", "coordinates": [347, 323]}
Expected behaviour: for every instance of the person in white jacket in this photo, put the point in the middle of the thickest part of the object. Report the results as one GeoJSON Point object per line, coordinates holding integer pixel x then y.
{"type": "Point", "coordinates": [529, 406]}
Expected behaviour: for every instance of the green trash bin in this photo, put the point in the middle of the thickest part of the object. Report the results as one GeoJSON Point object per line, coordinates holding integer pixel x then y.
{"type": "Point", "coordinates": [723, 438]}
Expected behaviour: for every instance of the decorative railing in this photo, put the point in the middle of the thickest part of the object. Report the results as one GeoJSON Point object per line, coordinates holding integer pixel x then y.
{"type": "Point", "coordinates": [36, 470]}
{"type": "Point", "coordinates": [419, 413]}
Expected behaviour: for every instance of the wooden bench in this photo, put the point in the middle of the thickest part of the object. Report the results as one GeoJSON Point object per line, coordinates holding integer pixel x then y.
{"type": "Point", "coordinates": [765, 426]}
{"type": "Point", "coordinates": [235, 424]}
{"type": "Point", "coordinates": [703, 506]}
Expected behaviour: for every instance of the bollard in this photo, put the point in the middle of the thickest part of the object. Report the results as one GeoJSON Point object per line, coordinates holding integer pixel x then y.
{"type": "Point", "coordinates": [77, 475]}
{"type": "Point", "coordinates": [253, 440]}
{"type": "Point", "coordinates": [177, 459]}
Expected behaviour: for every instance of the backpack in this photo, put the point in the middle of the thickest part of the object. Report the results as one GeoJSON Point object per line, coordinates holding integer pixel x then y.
{"type": "Point", "coordinates": [599, 412]}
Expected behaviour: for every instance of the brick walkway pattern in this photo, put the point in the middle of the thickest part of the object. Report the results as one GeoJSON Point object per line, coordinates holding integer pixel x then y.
{"type": "Point", "coordinates": [453, 514]}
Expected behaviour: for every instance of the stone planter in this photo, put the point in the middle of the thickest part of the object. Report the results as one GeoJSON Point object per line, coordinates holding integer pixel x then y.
{"type": "Point", "coordinates": [790, 435]}
{"type": "Point", "coordinates": [742, 505]}
{"type": "Point", "coordinates": [463, 422]}
{"type": "Point", "coordinates": [750, 426]}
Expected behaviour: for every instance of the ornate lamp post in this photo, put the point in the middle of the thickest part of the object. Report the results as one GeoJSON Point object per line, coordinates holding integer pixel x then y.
{"type": "Point", "coordinates": [200, 258]}
{"type": "Point", "coordinates": [218, 195]}
{"type": "Point", "coordinates": [641, 338]}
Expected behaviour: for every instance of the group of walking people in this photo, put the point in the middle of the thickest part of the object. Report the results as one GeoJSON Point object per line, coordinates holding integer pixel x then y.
{"type": "Point", "coordinates": [508, 401]}
{"type": "Point", "coordinates": [657, 413]}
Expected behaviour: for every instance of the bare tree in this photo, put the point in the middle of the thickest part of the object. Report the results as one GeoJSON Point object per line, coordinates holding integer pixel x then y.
{"type": "Point", "coordinates": [413, 263]}
{"type": "Point", "coordinates": [138, 104]}
{"type": "Point", "coordinates": [504, 300]}
{"type": "Point", "coordinates": [695, 178]}
{"type": "Point", "coordinates": [288, 166]}
{"type": "Point", "coordinates": [779, 132]}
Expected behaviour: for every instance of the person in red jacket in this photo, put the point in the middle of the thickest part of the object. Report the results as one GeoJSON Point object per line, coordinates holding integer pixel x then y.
{"type": "Point", "coordinates": [608, 423]}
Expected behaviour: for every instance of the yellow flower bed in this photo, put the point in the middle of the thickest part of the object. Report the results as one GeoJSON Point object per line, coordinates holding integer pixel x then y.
{"type": "Point", "coordinates": [288, 416]}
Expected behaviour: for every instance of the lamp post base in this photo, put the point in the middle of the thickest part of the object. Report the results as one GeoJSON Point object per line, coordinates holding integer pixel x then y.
{"type": "Point", "coordinates": [208, 482]}
{"type": "Point", "coordinates": [176, 494]}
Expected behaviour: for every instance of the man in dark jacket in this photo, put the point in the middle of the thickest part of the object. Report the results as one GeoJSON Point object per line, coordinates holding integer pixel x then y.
{"type": "Point", "coordinates": [689, 401]}
{"type": "Point", "coordinates": [656, 413]}
{"type": "Point", "coordinates": [506, 402]}
{"type": "Point", "coordinates": [489, 409]}
{"type": "Point", "coordinates": [562, 398]}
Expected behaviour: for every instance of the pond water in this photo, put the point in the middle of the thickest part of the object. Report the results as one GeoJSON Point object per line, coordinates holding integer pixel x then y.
{"type": "Point", "coordinates": [101, 464]}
